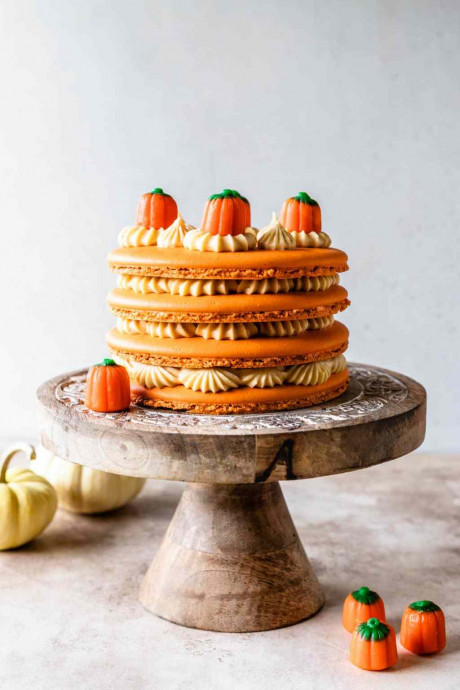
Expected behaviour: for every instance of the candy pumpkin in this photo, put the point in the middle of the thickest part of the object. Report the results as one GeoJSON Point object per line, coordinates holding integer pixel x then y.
{"type": "Point", "coordinates": [423, 628]}
{"type": "Point", "coordinates": [107, 387]}
{"type": "Point", "coordinates": [27, 502]}
{"type": "Point", "coordinates": [156, 210]}
{"type": "Point", "coordinates": [227, 213]}
{"type": "Point", "coordinates": [82, 489]}
{"type": "Point", "coordinates": [373, 646]}
{"type": "Point", "coordinates": [361, 605]}
{"type": "Point", "coordinates": [301, 213]}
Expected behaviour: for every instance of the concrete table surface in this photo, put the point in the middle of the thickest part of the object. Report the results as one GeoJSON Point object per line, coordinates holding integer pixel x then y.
{"type": "Point", "coordinates": [69, 617]}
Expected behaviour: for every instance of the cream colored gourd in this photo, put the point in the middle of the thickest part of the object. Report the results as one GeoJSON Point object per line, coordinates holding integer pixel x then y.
{"type": "Point", "coordinates": [27, 501]}
{"type": "Point", "coordinates": [82, 489]}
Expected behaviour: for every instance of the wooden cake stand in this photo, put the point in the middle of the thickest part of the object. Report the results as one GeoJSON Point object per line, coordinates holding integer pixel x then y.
{"type": "Point", "coordinates": [231, 559]}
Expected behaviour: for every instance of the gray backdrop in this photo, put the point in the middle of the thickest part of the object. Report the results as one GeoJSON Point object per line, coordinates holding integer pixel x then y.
{"type": "Point", "coordinates": [355, 102]}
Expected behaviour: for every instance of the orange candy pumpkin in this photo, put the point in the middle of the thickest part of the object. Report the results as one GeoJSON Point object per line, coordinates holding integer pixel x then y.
{"type": "Point", "coordinates": [227, 213]}
{"type": "Point", "coordinates": [107, 387]}
{"type": "Point", "coordinates": [361, 605]}
{"type": "Point", "coordinates": [156, 210]}
{"type": "Point", "coordinates": [373, 646]}
{"type": "Point", "coordinates": [301, 213]}
{"type": "Point", "coordinates": [423, 628]}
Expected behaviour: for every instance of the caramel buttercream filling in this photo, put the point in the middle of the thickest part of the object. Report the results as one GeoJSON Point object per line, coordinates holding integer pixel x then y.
{"type": "Point", "coordinates": [311, 239]}
{"type": "Point", "coordinates": [222, 379]}
{"type": "Point", "coordinates": [203, 241]}
{"type": "Point", "coordinates": [223, 331]}
{"type": "Point", "coordinates": [274, 236]}
{"type": "Point", "coordinates": [138, 236]}
{"type": "Point", "coordinates": [174, 235]}
{"type": "Point", "coordinates": [213, 286]}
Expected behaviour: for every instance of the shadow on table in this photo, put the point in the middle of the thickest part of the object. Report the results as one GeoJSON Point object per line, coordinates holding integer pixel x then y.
{"type": "Point", "coordinates": [150, 514]}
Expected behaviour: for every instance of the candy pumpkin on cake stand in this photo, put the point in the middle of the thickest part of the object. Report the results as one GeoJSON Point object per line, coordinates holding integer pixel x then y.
{"type": "Point", "coordinates": [107, 387]}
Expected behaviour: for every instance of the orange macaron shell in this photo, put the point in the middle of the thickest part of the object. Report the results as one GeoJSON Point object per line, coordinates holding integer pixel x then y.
{"type": "Point", "coordinates": [177, 262]}
{"type": "Point", "coordinates": [310, 346]}
{"type": "Point", "coordinates": [227, 308]}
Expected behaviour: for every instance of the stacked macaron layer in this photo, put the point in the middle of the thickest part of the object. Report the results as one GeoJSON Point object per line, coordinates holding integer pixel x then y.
{"type": "Point", "coordinates": [233, 326]}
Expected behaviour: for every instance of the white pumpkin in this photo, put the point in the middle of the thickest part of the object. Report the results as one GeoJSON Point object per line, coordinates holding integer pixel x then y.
{"type": "Point", "coordinates": [27, 502]}
{"type": "Point", "coordinates": [82, 489]}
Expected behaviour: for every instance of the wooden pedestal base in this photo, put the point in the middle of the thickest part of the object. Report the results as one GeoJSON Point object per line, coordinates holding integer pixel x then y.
{"type": "Point", "coordinates": [232, 561]}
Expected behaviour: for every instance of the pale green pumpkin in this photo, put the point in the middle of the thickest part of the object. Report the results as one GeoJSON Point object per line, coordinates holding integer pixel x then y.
{"type": "Point", "coordinates": [27, 501]}
{"type": "Point", "coordinates": [81, 489]}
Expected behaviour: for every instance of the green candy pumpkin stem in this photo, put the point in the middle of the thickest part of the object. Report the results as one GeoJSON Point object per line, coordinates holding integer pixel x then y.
{"type": "Point", "coordinates": [107, 362]}
{"type": "Point", "coordinates": [8, 455]}
{"type": "Point", "coordinates": [365, 596]}
{"type": "Point", "coordinates": [305, 198]}
{"type": "Point", "coordinates": [373, 629]}
{"type": "Point", "coordinates": [424, 606]}
{"type": "Point", "coordinates": [227, 194]}
{"type": "Point", "coordinates": [157, 190]}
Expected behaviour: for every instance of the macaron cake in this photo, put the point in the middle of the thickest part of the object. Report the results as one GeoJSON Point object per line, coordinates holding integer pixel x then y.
{"type": "Point", "coordinates": [226, 318]}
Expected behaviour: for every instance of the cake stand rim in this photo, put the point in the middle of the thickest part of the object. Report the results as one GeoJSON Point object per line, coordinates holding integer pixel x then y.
{"type": "Point", "coordinates": [241, 456]}
{"type": "Point", "coordinates": [416, 396]}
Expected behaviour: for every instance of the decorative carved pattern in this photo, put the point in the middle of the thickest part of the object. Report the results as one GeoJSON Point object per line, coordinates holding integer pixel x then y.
{"type": "Point", "coordinates": [370, 390]}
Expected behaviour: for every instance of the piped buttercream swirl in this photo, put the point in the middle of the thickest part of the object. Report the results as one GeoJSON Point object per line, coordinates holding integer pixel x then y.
{"type": "Point", "coordinates": [308, 374]}
{"type": "Point", "coordinates": [217, 379]}
{"type": "Point", "coordinates": [177, 286]}
{"type": "Point", "coordinates": [203, 241]}
{"type": "Point", "coordinates": [175, 234]}
{"type": "Point", "coordinates": [226, 331]}
{"type": "Point", "coordinates": [214, 286]}
{"type": "Point", "coordinates": [265, 285]}
{"type": "Point", "coordinates": [209, 380]}
{"type": "Point", "coordinates": [315, 283]}
{"type": "Point", "coordinates": [265, 377]}
{"type": "Point", "coordinates": [274, 236]}
{"type": "Point", "coordinates": [222, 331]}
{"type": "Point", "coordinates": [337, 364]}
{"type": "Point", "coordinates": [138, 236]}
{"type": "Point", "coordinates": [163, 329]}
{"type": "Point", "coordinates": [167, 329]}
{"type": "Point", "coordinates": [279, 329]}
{"type": "Point", "coordinates": [151, 376]}
{"type": "Point", "coordinates": [311, 239]}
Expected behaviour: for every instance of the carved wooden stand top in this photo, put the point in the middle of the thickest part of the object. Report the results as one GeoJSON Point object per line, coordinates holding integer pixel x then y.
{"type": "Point", "coordinates": [380, 417]}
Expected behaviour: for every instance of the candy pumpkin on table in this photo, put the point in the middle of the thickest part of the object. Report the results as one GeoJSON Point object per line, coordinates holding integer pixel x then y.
{"type": "Point", "coordinates": [156, 210]}
{"type": "Point", "coordinates": [373, 646]}
{"type": "Point", "coordinates": [301, 213]}
{"type": "Point", "coordinates": [107, 387]}
{"type": "Point", "coordinates": [226, 213]}
{"type": "Point", "coordinates": [361, 605]}
{"type": "Point", "coordinates": [27, 501]}
{"type": "Point", "coordinates": [423, 628]}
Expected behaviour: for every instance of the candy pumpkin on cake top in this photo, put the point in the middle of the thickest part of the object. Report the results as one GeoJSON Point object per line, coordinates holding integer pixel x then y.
{"type": "Point", "coordinates": [156, 209]}
{"type": "Point", "coordinates": [225, 226]}
{"type": "Point", "coordinates": [301, 215]}
{"type": "Point", "coordinates": [226, 213]}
